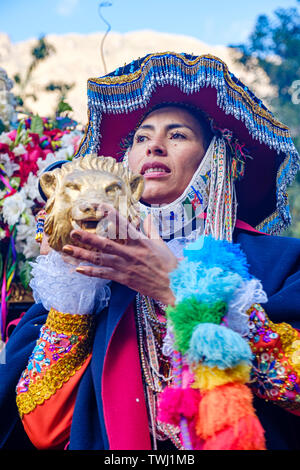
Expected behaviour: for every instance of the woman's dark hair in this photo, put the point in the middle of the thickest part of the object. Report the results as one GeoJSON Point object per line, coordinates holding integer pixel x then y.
{"type": "Point", "coordinates": [200, 117]}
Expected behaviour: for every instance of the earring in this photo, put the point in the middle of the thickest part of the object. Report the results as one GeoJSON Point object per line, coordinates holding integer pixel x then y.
{"type": "Point", "coordinates": [40, 222]}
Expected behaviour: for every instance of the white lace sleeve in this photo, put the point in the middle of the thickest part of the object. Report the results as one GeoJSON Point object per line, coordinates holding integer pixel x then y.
{"type": "Point", "coordinates": [57, 285]}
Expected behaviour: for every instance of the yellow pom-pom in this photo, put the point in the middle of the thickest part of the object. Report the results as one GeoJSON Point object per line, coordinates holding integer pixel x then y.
{"type": "Point", "coordinates": [207, 378]}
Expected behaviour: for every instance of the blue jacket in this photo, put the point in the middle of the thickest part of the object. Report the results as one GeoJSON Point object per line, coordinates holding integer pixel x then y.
{"type": "Point", "coordinates": [273, 260]}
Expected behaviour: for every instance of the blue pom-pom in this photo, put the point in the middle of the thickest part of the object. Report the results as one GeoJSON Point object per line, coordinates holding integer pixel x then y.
{"type": "Point", "coordinates": [218, 346]}
{"type": "Point", "coordinates": [220, 253]}
{"type": "Point", "coordinates": [208, 284]}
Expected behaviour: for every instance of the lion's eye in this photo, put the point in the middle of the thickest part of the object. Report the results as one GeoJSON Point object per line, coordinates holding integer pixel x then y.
{"type": "Point", "coordinates": [112, 189]}
{"type": "Point", "coordinates": [73, 186]}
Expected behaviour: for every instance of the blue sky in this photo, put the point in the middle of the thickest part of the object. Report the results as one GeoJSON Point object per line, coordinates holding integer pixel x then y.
{"type": "Point", "coordinates": [212, 21]}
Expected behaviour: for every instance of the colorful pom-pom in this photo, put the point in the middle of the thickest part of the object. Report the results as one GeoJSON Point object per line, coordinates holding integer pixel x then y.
{"type": "Point", "coordinates": [207, 378]}
{"type": "Point", "coordinates": [221, 253]}
{"type": "Point", "coordinates": [222, 407]}
{"type": "Point", "coordinates": [218, 346]}
{"type": "Point", "coordinates": [188, 314]}
{"type": "Point", "coordinates": [175, 403]}
{"type": "Point", "coordinates": [207, 284]}
{"type": "Point", "coordinates": [246, 434]}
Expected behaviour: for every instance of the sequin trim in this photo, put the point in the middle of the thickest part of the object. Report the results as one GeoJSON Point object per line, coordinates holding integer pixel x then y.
{"type": "Point", "coordinates": [69, 323]}
{"type": "Point", "coordinates": [208, 60]}
{"type": "Point", "coordinates": [64, 344]}
{"type": "Point", "coordinates": [276, 364]}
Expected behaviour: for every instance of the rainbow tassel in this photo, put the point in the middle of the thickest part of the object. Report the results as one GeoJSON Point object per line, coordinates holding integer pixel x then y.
{"type": "Point", "coordinates": [207, 378]}
{"type": "Point", "coordinates": [222, 407]}
{"type": "Point", "coordinates": [215, 405]}
{"type": "Point", "coordinates": [247, 434]}
{"type": "Point", "coordinates": [177, 402]}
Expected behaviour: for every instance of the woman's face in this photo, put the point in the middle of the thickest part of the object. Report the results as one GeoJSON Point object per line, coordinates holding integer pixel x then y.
{"type": "Point", "coordinates": [167, 149]}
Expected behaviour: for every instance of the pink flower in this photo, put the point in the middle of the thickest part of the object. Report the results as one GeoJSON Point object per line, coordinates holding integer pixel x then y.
{"type": "Point", "coordinates": [12, 134]}
{"type": "Point", "coordinates": [4, 148]}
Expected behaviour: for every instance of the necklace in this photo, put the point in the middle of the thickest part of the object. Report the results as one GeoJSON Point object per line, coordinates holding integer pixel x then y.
{"type": "Point", "coordinates": [156, 368]}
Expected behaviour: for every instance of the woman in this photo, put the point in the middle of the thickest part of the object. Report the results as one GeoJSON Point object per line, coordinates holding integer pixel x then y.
{"type": "Point", "coordinates": [193, 177]}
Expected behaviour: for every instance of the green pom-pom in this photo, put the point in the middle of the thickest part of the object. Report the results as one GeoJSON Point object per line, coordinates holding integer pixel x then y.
{"type": "Point", "coordinates": [188, 314]}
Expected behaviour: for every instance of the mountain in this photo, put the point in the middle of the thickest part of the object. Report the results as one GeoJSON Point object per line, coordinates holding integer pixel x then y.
{"type": "Point", "coordinates": [77, 57]}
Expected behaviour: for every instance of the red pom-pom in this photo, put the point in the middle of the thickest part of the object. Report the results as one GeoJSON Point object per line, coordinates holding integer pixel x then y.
{"type": "Point", "coordinates": [189, 405]}
{"type": "Point", "coordinates": [177, 402]}
{"type": "Point", "coordinates": [222, 407]}
{"type": "Point", "coordinates": [196, 441]}
{"type": "Point", "coordinates": [246, 434]}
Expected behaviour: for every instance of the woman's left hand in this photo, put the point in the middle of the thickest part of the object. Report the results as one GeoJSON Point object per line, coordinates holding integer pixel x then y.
{"type": "Point", "coordinates": [142, 263]}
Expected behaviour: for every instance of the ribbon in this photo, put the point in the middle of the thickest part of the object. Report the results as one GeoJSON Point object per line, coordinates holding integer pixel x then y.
{"type": "Point", "coordinates": [6, 183]}
{"type": "Point", "coordinates": [177, 377]}
{"type": "Point", "coordinates": [3, 304]}
{"type": "Point", "coordinates": [7, 278]}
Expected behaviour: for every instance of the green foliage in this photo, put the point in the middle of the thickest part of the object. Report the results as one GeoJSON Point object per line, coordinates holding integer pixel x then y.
{"type": "Point", "coordinates": [17, 78]}
{"type": "Point", "coordinates": [25, 274]}
{"type": "Point", "coordinates": [62, 89]}
{"type": "Point", "coordinates": [274, 45]}
{"type": "Point", "coordinates": [37, 125]}
{"type": "Point", "coordinates": [41, 50]}
{"type": "Point", "coordinates": [62, 107]}
{"type": "Point", "coordinates": [2, 126]}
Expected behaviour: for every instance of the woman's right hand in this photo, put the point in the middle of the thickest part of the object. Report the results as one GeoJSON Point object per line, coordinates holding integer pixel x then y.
{"type": "Point", "coordinates": [44, 247]}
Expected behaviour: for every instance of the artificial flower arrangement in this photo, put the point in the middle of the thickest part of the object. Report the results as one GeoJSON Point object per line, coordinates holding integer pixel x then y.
{"type": "Point", "coordinates": [27, 146]}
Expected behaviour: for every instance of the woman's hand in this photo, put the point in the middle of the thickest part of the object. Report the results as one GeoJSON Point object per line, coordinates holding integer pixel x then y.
{"type": "Point", "coordinates": [142, 263]}
{"type": "Point", "coordinates": [44, 246]}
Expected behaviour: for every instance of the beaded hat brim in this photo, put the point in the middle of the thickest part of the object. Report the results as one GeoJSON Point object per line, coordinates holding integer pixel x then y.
{"type": "Point", "coordinates": [118, 102]}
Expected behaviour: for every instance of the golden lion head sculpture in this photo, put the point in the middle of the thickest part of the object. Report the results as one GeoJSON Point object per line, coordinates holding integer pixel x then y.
{"type": "Point", "coordinates": [76, 191]}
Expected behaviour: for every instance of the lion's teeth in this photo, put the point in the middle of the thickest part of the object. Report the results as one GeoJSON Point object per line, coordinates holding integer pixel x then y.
{"type": "Point", "coordinates": [75, 225]}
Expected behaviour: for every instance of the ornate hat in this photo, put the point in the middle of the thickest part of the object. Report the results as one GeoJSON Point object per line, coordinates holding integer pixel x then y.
{"type": "Point", "coordinates": [118, 102]}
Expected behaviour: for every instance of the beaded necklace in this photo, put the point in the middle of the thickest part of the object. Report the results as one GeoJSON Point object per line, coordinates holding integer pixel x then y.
{"type": "Point", "coordinates": [156, 368]}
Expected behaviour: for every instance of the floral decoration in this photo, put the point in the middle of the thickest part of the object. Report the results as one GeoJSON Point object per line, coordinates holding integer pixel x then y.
{"type": "Point", "coordinates": [27, 146]}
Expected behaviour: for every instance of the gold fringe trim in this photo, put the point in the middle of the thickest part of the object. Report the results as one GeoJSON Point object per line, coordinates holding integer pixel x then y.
{"type": "Point", "coordinates": [69, 324]}
{"type": "Point", "coordinates": [290, 341]}
{"type": "Point", "coordinates": [46, 385]}
{"type": "Point", "coordinates": [220, 65]}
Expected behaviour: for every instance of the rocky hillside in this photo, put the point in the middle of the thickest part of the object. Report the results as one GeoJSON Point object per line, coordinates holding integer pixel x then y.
{"type": "Point", "coordinates": [78, 57]}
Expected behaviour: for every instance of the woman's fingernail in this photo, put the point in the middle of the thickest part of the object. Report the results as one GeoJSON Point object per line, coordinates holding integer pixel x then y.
{"type": "Point", "coordinates": [75, 236]}
{"type": "Point", "coordinates": [67, 249]}
{"type": "Point", "coordinates": [80, 269]}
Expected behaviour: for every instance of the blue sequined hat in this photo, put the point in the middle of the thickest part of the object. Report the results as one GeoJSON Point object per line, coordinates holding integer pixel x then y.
{"type": "Point", "coordinates": [118, 101]}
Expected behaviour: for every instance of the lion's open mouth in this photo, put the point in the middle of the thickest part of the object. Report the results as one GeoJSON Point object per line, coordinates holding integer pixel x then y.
{"type": "Point", "coordinates": [89, 225]}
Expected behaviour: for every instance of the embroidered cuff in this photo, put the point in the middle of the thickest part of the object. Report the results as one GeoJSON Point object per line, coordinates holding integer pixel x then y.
{"type": "Point", "coordinates": [275, 374]}
{"type": "Point", "coordinates": [64, 344]}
